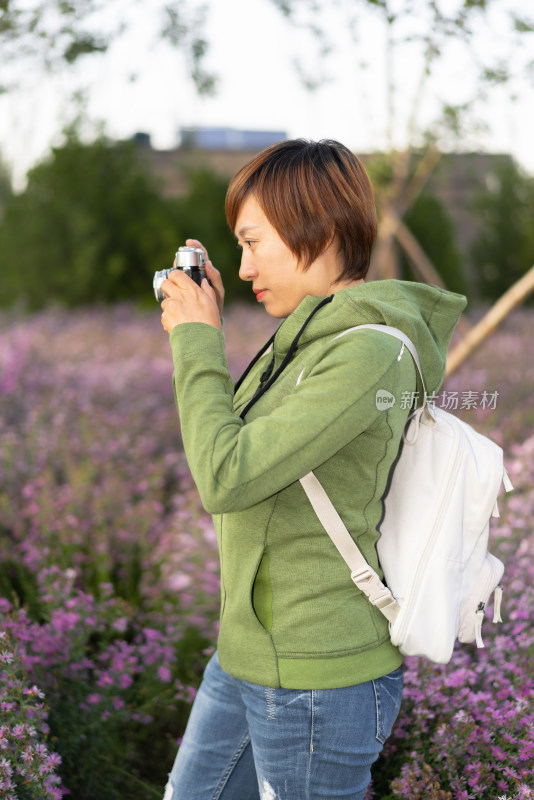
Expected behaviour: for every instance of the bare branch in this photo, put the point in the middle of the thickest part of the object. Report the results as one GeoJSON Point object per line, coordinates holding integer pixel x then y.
{"type": "Point", "coordinates": [421, 262]}
{"type": "Point", "coordinates": [385, 258]}
{"type": "Point", "coordinates": [420, 178]}
{"type": "Point", "coordinates": [480, 332]}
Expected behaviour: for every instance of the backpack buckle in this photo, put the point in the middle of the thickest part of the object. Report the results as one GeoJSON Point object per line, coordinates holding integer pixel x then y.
{"type": "Point", "coordinates": [379, 595]}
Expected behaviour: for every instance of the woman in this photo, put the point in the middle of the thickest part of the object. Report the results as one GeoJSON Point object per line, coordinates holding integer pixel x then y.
{"type": "Point", "coordinates": [306, 685]}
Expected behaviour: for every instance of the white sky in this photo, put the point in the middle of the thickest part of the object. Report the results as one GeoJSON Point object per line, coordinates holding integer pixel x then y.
{"type": "Point", "coordinates": [252, 49]}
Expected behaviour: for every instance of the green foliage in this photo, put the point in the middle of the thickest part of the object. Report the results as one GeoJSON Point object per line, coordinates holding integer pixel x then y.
{"type": "Point", "coordinates": [19, 585]}
{"type": "Point", "coordinates": [89, 227]}
{"type": "Point", "coordinates": [434, 230]}
{"type": "Point", "coordinates": [57, 33]}
{"type": "Point", "coordinates": [184, 29]}
{"type": "Point", "coordinates": [381, 170]}
{"type": "Point", "coordinates": [81, 46]}
{"type": "Point", "coordinates": [504, 250]}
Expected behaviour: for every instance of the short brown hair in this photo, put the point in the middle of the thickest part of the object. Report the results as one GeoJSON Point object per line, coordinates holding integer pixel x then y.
{"type": "Point", "coordinates": [311, 192]}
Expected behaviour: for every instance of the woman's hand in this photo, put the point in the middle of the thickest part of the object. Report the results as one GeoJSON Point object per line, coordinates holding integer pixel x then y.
{"type": "Point", "coordinates": [187, 302]}
{"type": "Point", "coordinates": [213, 274]}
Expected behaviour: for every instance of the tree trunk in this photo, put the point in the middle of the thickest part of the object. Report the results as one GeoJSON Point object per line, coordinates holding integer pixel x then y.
{"type": "Point", "coordinates": [489, 322]}
{"type": "Point", "coordinates": [385, 261]}
{"type": "Point", "coordinates": [421, 262]}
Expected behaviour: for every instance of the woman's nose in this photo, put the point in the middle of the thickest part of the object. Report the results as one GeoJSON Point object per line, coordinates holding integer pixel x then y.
{"type": "Point", "coordinates": [247, 271]}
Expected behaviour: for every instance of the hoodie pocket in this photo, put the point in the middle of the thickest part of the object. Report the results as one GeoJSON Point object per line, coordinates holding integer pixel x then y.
{"type": "Point", "coordinates": [262, 597]}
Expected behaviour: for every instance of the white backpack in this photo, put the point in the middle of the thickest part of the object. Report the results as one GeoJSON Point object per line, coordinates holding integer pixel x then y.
{"type": "Point", "coordinates": [434, 533]}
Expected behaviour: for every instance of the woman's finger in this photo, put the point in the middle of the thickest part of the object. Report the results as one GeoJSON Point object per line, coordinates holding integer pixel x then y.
{"type": "Point", "coordinates": [177, 279]}
{"type": "Point", "coordinates": [196, 243]}
{"type": "Point", "coordinates": [214, 277]}
{"type": "Point", "coordinates": [216, 281]}
{"type": "Point", "coordinates": [209, 290]}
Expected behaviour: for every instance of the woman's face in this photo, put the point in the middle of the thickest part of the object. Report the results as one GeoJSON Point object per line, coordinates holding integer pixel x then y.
{"type": "Point", "coordinates": [266, 261]}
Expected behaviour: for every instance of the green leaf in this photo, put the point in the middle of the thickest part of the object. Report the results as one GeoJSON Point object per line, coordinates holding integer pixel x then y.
{"type": "Point", "coordinates": [481, 4]}
{"type": "Point", "coordinates": [284, 7]}
{"type": "Point", "coordinates": [497, 75]}
{"type": "Point", "coordinates": [83, 45]}
{"type": "Point", "coordinates": [523, 25]}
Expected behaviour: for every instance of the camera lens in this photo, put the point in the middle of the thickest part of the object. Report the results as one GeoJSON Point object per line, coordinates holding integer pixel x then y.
{"type": "Point", "coordinates": [159, 277]}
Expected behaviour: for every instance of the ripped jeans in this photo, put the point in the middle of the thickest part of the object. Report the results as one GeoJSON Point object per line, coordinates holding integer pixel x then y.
{"type": "Point", "coordinates": [249, 742]}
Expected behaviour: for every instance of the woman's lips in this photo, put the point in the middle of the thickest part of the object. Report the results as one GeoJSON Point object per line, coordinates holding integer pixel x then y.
{"type": "Point", "coordinates": [259, 294]}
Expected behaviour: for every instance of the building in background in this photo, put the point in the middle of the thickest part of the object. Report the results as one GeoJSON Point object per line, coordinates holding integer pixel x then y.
{"type": "Point", "coordinates": [228, 139]}
{"type": "Point", "coordinates": [223, 150]}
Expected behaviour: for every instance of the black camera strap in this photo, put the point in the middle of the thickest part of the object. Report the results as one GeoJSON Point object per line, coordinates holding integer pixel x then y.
{"type": "Point", "coordinates": [267, 379]}
{"type": "Point", "coordinates": [254, 361]}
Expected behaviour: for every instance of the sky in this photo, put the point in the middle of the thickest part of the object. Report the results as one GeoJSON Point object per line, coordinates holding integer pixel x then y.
{"type": "Point", "coordinates": [143, 85]}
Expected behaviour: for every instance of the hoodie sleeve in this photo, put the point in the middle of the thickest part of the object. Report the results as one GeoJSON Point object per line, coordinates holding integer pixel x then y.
{"type": "Point", "coordinates": [236, 464]}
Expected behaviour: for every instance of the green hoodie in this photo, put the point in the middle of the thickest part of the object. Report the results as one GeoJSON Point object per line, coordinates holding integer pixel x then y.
{"type": "Point", "coordinates": [290, 615]}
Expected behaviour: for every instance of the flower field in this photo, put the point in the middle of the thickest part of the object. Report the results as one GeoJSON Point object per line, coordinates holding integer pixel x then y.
{"type": "Point", "coordinates": [109, 574]}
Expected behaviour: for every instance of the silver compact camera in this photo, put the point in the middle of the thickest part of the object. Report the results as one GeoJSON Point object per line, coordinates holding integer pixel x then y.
{"type": "Point", "coordinates": [191, 260]}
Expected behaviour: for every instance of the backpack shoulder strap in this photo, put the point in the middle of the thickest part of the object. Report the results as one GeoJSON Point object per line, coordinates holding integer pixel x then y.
{"type": "Point", "coordinates": [363, 575]}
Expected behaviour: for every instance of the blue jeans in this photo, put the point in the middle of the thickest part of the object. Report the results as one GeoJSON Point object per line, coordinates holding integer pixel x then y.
{"type": "Point", "coordinates": [249, 742]}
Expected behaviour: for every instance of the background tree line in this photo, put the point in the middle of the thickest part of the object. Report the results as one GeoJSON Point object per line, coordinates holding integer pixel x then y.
{"type": "Point", "coordinates": [92, 226]}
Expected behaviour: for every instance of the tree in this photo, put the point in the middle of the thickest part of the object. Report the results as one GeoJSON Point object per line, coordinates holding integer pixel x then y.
{"type": "Point", "coordinates": [503, 252]}
{"type": "Point", "coordinates": [5, 187]}
{"type": "Point", "coordinates": [421, 119]}
{"type": "Point", "coordinates": [426, 37]}
{"type": "Point", "coordinates": [92, 226]}
{"type": "Point", "coordinates": [58, 33]}
{"type": "Point", "coordinates": [89, 227]}
{"type": "Point", "coordinates": [432, 230]}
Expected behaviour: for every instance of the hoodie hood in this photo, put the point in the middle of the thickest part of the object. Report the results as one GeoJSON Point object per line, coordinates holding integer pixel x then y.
{"type": "Point", "coordinates": [426, 314]}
